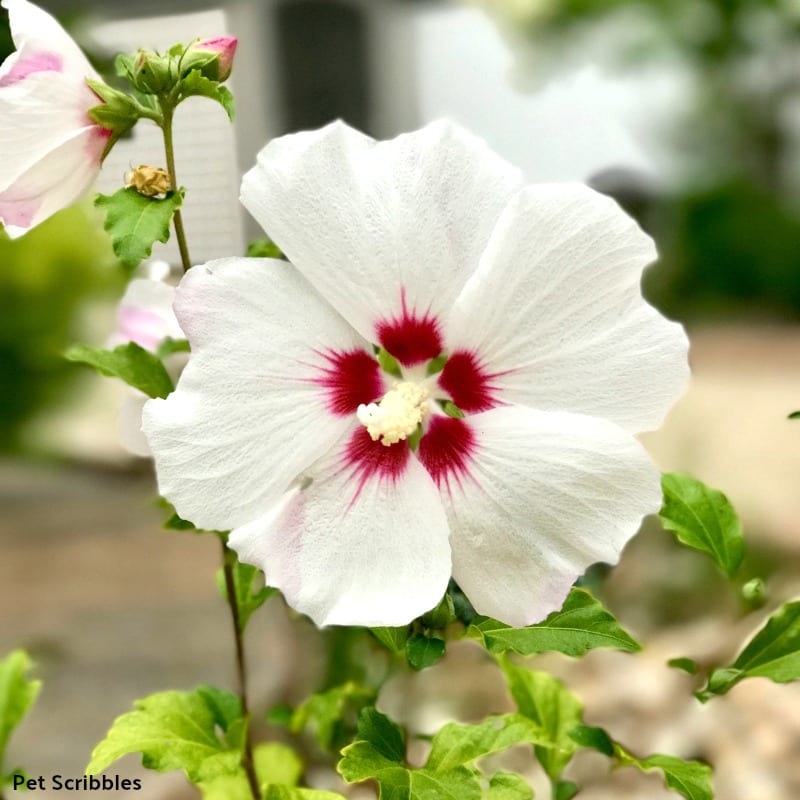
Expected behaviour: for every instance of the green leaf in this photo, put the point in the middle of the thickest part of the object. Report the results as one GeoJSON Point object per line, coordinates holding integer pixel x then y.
{"type": "Point", "coordinates": [379, 754]}
{"type": "Point", "coordinates": [263, 248]}
{"type": "Point", "coordinates": [794, 415]}
{"type": "Point", "coordinates": [688, 665]}
{"type": "Point", "coordinates": [442, 615]}
{"type": "Point", "coordinates": [691, 779]}
{"type": "Point", "coordinates": [275, 792]}
{"type": "Point", "coordinates": [176, 523]}
{"type": "Point", "coordinates": [384, 735]}
{"type": "Point", "coordinates": [704, 519]}
{"type": "Point", "coordinates": [135, 222]}
{"type": "Point", "coordinates": [774, 653]}
{"type": "Point", "coordinates": [594, 738]}
{"type": "Point", "coordinates": [424, 651]}
{"type": "Point", "coordinates": [393, 638]}
{"type": "Point", "coordinates": [565, 790]}
{"type": "Point", "coordinates": [17, 695]}
{"type": "Point", "coordinates": [169, 346]}
{"type": "Point", "coordinates": [327, 712]}
{"type": "Point", "coordinates": [553, 708]}
{"type": "Point", "coordinates": [250, 592]}
{"type": "Point", "coordinates": [508, 786]}
{"type": "Point", "coordinates": [178, 730]}
{"type": "Point", "coordinates": [581, 625]}
{"type": "Point", "coordinates": [195, 85]}
{"type": "Point", "coordinates": [456, 745]}
{"type": "Point", "coordinates": [129, 362]}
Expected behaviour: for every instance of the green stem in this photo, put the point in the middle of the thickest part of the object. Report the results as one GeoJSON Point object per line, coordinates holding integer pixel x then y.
{"type": "Point", "coordinates": [177, 220]}
{"type": "Point", "coordinates": [241, 668]}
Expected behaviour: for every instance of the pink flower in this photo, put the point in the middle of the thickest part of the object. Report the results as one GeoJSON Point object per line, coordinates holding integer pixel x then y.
{"type": "Point", "coordinates": [285, 427]}
{"type": "Point", "coordinates": [50, 149]}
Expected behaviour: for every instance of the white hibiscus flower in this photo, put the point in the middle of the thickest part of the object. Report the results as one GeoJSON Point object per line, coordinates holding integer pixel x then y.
{"type": "Point", "coordinates": [284, 427]}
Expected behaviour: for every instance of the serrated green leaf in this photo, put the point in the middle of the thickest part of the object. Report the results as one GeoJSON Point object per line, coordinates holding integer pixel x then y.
{"type": "Point", "coordinates": [379, 754]}
{"type": "Point", "coordinates": [554, 709]}
{"type": "Point", "coordinates": [294, 793]}
{"type": "Point", "coordinates": [424, 651]}
{"type": "Point", "coordinates": [128, 362]}
{"type": "Point", "coordinates": [195, 85]}
{"type": "Point", "coordinates": [248, 583]}
{"type": "Point", "coordinates": [565, 790]}
{"type": "Point", "coordinates": [393, 638]}
{"type": "Point", "coordinates": [457, 745]}
{"type": "Point", "coordinates": [382, 734]}
{"type": "Point", "coordinates": [581, 625]}
{"type": "Point", "coordinates": [178, 730]}
{"type": "Point", "coordinates": [176, 523]}
{"type": "Point", "coordinates": [135, 222]}
{"type": "Point", "coordinates": [594, 738]}
{"type": "Point", "coordinates": [508, 786]}
{"type": "Point", "coordinates": [17, 694]}
{"type": "Point", "coordinates": [702, 518]}
{"type": "Point", "coordinates": [774, 653]}
{"type": "Point", "coordinates": [327, 712]}
{"type": "Point", "coordinates": [687, 665]}
{"type": "Point", "coordinates": [691, 779]}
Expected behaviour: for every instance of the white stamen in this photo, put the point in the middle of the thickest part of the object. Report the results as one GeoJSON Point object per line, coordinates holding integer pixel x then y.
{"type": "Point", "coordinates": [397, 415]}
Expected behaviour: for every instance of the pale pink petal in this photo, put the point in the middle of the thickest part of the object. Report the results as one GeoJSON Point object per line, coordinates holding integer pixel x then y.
{"type": "Point", "coordinates": [387, 232]}
{"type": "Point", "coordinates": [274, 379]}
{"type": "Point", "coordinates": [533, 499]}
{"type": "Point", "coordinates": [57, 180]}
{"type": "Point", "coordinates": [41, 115]}
{"type": "Point", "coordinates": [555, 319]}
{"type": "Point", "coordinates": [34, 31]}
{"type": "Point", "coordinates": [145, 315]}
{"type": "Point", "coordinates": [361, 540]}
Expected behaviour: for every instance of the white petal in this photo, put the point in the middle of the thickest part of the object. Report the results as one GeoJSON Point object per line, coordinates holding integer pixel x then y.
{"type": "Point", "coordinates": [57, 180]}
{"type": "Point", "coordinates": [129, 424]}
{"type": "Point", "coordinates": [355, 547]}
{"type": "Point", "coordinates": [555, 315]}
{"type": "Point", "coordinates": [145, 315]}
{"type": "Point", "coordinates": [35, 31]}
{"type": "Point", "coordinates": [255, 405]}
{"type": "Point", "coordinates": [373, 224]}
{"type": "Point", "coordinates": [539, 497]}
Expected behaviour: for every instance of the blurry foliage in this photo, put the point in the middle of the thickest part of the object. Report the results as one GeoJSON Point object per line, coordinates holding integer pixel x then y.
{"type": "Point", "coordinates": [730, 236]}
{"type": "Point", "coordinates": [45, 277]}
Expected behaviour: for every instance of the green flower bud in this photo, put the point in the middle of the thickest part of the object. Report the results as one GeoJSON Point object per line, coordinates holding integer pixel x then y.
{"type": "Point", "coordinates": [153, 73]}
{"type": "Point", "coordinates": [213, 57]}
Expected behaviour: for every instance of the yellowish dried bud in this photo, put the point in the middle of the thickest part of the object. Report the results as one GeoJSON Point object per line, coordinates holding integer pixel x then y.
{"type": "Point", "coordinates": [149, 181]}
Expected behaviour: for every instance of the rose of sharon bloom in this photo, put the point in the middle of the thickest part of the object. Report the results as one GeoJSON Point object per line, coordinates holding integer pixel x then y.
{"type": "Point", "coordinates": [144, 316]}
{"type": "Point", "coordinates": [284, 427]}
{"type": "Point", "coordinates": [51, 149]}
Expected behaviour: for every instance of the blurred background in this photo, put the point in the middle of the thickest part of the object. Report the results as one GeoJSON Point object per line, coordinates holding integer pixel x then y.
{"type": "Point", "coordinates": [686, 111]}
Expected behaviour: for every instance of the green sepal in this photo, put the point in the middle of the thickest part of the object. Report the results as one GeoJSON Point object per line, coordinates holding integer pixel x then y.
{"type": "Point", "coordinates": [17, 695]}
{"type": "Point", "coordinates": [136, 222]}
{"type": "Point", "coordinates": [332, 713]}
{"type": "Point", "coordinates": [565, 790]}
{"type": "Point", "coordinates": [436, 364]}
{"type": "Point", "coordinates": [424, 651]}
{"type": "Point", "coordinates": [129, 362]}
{"type": "Point", "coordinates": [118, 112]}
{"type": "Point", "coordinates": [704, 519]}
{"type": "Point", "coordinates": [581, 625]}
{"type": "Point", "coordinates": [196, 85]}
{"type": "Point", "coordinates": [179, 731]}
{"type": "Point", "coordinates": [388, 363]}
{"type": "Point", "coordinates": [153, 73]}
{"type": "Point", "coordinates": [392, 638]}
{"type": "Point", "coordinates": [452, 410]}
{"type": "Point", "coordinates": [248, 586]}
{"type": "Point", "coordinates": [774, 653]}
{"type": "Point", "coordinates": [441, 616]}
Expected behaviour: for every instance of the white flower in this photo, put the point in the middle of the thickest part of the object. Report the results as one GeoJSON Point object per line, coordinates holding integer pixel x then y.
{"type": "Point", "coordinates": [144, 316]}
{"type": "Point", "coordinates": [51, 149]}
{"type": "Point", "coordinates": [426, 244]}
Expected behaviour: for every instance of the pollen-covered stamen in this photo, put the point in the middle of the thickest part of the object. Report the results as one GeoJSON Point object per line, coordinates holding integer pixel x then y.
{"type": "Point", "coordinates": [397, 415]}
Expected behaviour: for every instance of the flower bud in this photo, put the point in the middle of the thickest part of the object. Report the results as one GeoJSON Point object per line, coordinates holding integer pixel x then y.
{"type": "Point", "coordinates": [152, 72]}
{"type": "Point", "coordinates": [213, 57]}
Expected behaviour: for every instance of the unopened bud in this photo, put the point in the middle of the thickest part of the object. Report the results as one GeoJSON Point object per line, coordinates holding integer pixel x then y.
{"type": "Point", "coordinates": [148, 181]}
{"type": "Point", "coordinates": [213, 57]}
{"type": "Point", "coordinates": [152, 72]}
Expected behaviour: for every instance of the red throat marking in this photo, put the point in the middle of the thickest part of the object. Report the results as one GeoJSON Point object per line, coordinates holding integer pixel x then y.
{"type": "Point", "coordinates": [352, 378]}
{"type": "Point", "coordinates": [446, 450]}
{"type": "Point", "coordinates": [410, 337]}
